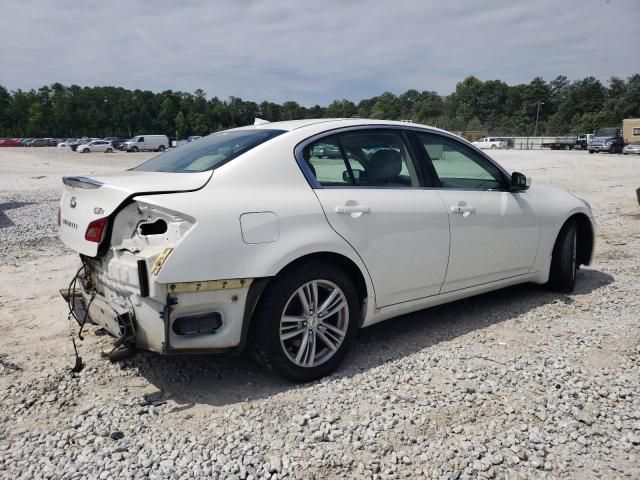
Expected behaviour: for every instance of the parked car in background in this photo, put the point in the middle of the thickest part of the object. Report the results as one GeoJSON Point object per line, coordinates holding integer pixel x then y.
{"type": "Point", "coordinates": [39, 142]}
{"type": "Point", "coordinates": [80, 141]}
{"type": "Point", "coordinates": [117, 143]}
{"type": "Point", "coordinates": [26, 141]}
{"type": "Point", "coordinates": [112, 140]}
{"type": "Point", "coordinates": [607, 140]}
{"type": "Point", "coordinates": [95, 146]}
{"type": "Point", "coordinates": [65, 143]}
{"type": "Point", "coordinates": [248, 237]}
{"type": "Point", "coordinates": [10, 142]}
{"type": "Point", "coordinates": [193, 137]}
{"type": "Point", "coordinates": [490, 143]}
{"type": "Point", "coordinates": [632, 148]}
{"type": "Point", "coordinates": [156, 143]}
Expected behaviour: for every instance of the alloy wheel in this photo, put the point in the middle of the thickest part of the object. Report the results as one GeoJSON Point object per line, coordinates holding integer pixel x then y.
{"type": "Point", "coordinates": [314, 323]}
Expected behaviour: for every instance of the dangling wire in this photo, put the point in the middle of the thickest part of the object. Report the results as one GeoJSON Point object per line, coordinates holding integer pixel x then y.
{"type": "Point", "coordinates": [86, 315]}
{"type": "Point", "coordinates": [79, 365]}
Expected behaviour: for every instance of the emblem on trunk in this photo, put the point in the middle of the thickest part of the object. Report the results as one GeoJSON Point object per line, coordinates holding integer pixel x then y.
{"type": "Point", "coordinates": [73, 202]}
{"type": "Point", "coordinates": [98, 210]}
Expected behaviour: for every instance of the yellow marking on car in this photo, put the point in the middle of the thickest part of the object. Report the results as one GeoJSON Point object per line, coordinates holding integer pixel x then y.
{"type": "Point", "coordinates": [210, 285]}
{"type": "Point", "coordinates": [157, 265]}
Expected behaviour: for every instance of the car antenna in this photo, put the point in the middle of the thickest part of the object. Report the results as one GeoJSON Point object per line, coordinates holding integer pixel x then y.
{"type": "Point", "coordinates": [260, 121]}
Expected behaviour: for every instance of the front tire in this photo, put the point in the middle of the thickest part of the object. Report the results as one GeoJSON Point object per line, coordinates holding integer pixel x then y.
{"type": "Point", "coordinates": [564, 266]}
{"type": "Point", "coordinates": [109, 150]}
{"type": "Point", "coordinates": [306, 322]}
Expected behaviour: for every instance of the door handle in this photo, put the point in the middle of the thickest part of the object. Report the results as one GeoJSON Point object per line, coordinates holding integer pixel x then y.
{"type": "Point", "coordinates": [465, 211]}
{"type": "Point", "coordinates": [348, 209]}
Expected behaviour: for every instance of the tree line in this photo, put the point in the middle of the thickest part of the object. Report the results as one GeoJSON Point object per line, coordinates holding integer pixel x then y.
{"type": "Point", "coordinates": [563, 107]}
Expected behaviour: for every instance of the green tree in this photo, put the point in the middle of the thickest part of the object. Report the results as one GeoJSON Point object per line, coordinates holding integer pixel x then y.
{"type": "Point", "coordinates": [181, 125]}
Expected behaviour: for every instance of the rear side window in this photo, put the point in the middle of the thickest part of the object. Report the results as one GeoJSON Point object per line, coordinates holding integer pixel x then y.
{"type": "Point", "coordinates": [362, 158]}
{"type": "Point", "coordinates": [208, 152]}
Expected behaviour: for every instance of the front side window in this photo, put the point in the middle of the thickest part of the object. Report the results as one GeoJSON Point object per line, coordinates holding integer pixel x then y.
{"type": "Point", "coordinates": [141, 139]}
{"type": "Point", "coordinates": [209, 152]}
{"type": "Point", "coordinates": [362, 158]}
{"type": "Point", "coordinates": [458, 166]}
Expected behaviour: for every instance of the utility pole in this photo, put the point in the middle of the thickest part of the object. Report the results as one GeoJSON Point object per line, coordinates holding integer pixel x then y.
{"type": "Point", "coordinates": [535, 133]}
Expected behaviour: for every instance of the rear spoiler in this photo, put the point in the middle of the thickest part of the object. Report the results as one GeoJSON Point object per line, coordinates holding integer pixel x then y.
{"type": "Point", "coordinates": [81, 182]}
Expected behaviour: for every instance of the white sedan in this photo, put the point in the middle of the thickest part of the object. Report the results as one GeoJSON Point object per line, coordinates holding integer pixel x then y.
{"type": "Point", "coordinates": [256, 238]}
{"type": "Point", "coordinates": [95, 146]}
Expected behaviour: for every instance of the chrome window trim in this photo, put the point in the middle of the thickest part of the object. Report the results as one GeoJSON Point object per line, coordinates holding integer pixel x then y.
{"type": "Point", "coordinates": [313, 182]}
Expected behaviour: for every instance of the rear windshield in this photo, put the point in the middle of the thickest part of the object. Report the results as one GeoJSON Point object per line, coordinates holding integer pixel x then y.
{"type": "Point", "coordinates": [209, 152]}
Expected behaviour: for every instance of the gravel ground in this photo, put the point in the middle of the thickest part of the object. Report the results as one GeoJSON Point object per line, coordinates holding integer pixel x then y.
{"type": "Point", "coordinates": [520, 383]}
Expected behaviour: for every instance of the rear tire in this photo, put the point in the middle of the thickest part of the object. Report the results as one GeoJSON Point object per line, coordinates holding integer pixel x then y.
{"type": "Point", "coordinates": [562, 275]}
{"type": "Point", "coordinates": [161, 148]}
{"type": "Point", "coordinates": [297, 341]}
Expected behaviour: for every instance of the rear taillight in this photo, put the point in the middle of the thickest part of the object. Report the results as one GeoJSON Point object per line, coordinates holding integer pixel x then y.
{"type": "Point", "coordinates": [59, 216]}
{"type": "Point", "coordinates": [95, 230]}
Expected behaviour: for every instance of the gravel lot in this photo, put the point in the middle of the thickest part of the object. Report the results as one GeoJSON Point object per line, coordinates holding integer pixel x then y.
{"type": "Point", "coordinates": [520, 383]}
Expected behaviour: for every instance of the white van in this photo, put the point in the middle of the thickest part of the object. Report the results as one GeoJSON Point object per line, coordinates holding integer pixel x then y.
{"type": "Point", "coordinates": [157, 143]}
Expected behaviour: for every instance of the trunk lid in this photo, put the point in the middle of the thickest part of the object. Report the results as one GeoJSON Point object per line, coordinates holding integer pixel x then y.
{"type": "Point", "coordinates": [86, 199]}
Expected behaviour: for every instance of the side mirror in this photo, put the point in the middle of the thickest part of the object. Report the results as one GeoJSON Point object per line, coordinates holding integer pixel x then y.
{"type": "Point", "coordinates": [519, 182]}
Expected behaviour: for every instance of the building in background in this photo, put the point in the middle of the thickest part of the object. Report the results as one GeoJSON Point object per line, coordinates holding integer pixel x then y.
{"type": "Point", "coordinates": [631, 130]}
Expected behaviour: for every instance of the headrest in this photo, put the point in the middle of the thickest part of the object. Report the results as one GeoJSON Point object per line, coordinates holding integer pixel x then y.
{"type": "Point", "coordinates": [384, 165]}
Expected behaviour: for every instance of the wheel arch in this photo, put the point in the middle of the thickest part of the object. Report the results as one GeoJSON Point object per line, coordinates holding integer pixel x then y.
{"type": "Point", "coordinates": [345, 263]}
{"type": "Point", "coordinates": [258, 287]}
{"type": "Point", "coordinates": [586, 237]}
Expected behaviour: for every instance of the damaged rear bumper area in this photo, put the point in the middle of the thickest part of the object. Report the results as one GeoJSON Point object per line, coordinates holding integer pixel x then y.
{"type": "Point", "coordinates": [115, 320]}
{"type": "Point", "coordinates": [192, 317]}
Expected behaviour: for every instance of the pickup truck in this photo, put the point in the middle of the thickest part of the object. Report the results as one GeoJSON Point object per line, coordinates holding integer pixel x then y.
{"type": "Point", "coordinates": [607, 140]}
{"type": "Point", "coordinates": [490, 143]}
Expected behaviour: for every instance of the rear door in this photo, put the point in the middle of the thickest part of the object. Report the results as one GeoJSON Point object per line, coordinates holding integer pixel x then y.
{"type": "Point", "coordinates": [494, 232]}
{"type": "Point", "coordinates": [372, 192]}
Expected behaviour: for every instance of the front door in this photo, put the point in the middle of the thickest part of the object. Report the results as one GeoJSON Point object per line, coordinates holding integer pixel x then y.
{"type": "Point", "coordinates": [494, 232]}
{"type": "Point", "coordinates": [371, 190]}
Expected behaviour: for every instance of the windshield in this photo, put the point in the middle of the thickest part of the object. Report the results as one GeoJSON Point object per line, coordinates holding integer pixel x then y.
{"type": "Point", "coordinates": [606, 132]}
{"type": "Point", "coordinates": [208, 152]}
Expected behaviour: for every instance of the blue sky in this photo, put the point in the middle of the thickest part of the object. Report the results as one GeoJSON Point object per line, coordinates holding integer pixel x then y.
{"type": "Point", "coordinates": [313, 51]}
